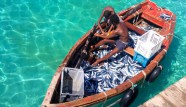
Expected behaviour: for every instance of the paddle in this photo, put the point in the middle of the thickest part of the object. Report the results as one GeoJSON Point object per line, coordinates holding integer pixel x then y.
{"type": "Point", "coordinates": [84, 51]}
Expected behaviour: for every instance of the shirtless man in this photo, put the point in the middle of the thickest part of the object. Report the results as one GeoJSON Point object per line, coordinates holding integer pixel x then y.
{"type": "Point", "coordinates": [121, 31]}
{"type": "Point", "coordinates": [106, 13]}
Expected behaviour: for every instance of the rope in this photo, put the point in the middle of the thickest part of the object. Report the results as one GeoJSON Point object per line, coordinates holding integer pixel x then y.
{"type": "Point", "coordinates": [105, 99]}
{"type": "Point", "coordinates": [155, 62]}
{"type": "Point", "coordinates": [167, 36]}
{"type": "Point", "coordinates": [132, 85]}
{"type": "Point", "coordinates": [171, 16]}
{"type": "Point", "coordinates": [145, 75]}
{"type": "Point", "coordinates": [116, 102]}
{"type": "Point", "coordinates": [134, 20]}
{"type": "Point", "coordinates": [136, 17]}
{"type": "Point", "coordinates": [174, 37]}
{"type": "Point", "coordinates": [178, 38]}
{"type": "Point", "coordinates": [165, 50]}
{"type": "Point", "coordinates": [160, 67]}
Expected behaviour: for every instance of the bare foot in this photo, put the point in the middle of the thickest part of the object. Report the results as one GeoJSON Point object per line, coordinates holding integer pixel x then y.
{"type": "Point", "coordinates": [92, 47]}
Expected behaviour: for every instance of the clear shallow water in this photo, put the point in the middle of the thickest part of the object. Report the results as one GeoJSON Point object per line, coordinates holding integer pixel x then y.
{"type": "Point", "coordinates": [35, 36]}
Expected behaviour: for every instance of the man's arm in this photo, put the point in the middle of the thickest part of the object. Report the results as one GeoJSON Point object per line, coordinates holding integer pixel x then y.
{"type": "Point", "coordinates": [115, 50]}
{"type": "Point", "coordinates": [108, 35]}
{"type": "Point", "coordinates": [99, 21]}
{"type": "Point", "coordinates": [111, 27]}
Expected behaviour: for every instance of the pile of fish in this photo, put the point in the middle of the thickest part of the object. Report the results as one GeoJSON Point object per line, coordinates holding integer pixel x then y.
{"type": "Point", "coordinates": [112, 72]}
{"type": "Point", "coordinates": [165, 17]}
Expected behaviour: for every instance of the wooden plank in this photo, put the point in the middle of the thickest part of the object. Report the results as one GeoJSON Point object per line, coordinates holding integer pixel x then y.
{"type": "Point", "coordinates": [138, 22]}
{"type": "Point", "coordinates": [181, 85]}
{"type": "Point", "coordinates": [173, 96]}
{"type": "Point", "coordinates": [133, 15]}
{"type": "Point", "coordinates": [157, 101]}
{"type": "Point", "coordinates": [153, 19]}
{"type": "Point", "coordinates": [130, 51]}
{"type": "Point", "coordinates": [134, 28]}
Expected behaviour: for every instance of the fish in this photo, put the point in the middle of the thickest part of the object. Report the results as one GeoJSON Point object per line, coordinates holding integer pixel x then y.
{"type": "Point", "coordinates": [117, 69]}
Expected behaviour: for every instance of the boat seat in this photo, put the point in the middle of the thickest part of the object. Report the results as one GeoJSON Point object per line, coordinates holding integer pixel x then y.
{"type": "Point", "coordinates": [153, 18]}
{"type": "Point", "coordinates": [129, 50]}
{"type": "Point", "coordinates": [134, 28]}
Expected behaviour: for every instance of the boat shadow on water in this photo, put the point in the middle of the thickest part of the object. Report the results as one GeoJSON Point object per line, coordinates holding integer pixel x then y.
{"type": "Point", "coordinates": [149, 90]}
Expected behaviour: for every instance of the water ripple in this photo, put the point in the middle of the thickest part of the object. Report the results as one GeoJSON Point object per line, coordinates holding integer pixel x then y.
{"type": "Point", "coordinates": [36, 35]}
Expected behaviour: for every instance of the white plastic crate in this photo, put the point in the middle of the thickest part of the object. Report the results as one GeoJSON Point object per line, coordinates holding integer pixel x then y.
{"type": "Point", "coordinates": [72, 84]}
{"type": "Point", "coordinates": [149, 43]}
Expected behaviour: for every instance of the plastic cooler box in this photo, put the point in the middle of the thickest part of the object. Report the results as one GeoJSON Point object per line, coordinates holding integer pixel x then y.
{"type": "Point", "coordinates": [72, 84]}
{"type": "Point", "coordinates": [147, 46]}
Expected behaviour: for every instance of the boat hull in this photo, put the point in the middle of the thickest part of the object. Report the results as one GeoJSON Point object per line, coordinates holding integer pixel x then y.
{"type": "Point", "coordinates": [148, 11]}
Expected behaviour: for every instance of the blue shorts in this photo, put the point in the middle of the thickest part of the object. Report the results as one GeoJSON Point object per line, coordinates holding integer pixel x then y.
{"type": "Point", "coordinates": [121, 45]}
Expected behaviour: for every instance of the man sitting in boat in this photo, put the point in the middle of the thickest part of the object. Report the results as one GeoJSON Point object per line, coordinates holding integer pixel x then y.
{"type": "Point", "coordinates": [121, 31]}
{"type": "Point", "coordinates": [106, 13]}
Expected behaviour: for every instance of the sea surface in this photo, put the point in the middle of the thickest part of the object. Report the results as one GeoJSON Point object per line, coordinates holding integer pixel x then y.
{"type": "Point", "coordinates": [36, 35]}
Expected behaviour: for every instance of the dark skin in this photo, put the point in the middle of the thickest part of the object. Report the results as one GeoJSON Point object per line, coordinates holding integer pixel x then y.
{"type": "Point", "coordinates": [120, 30]}
{"type": "Point", "coordinates": [108, 8]}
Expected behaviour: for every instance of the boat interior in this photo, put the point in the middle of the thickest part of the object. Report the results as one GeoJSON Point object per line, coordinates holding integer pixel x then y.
{"type": "Point", "coordinates": [139, 22]}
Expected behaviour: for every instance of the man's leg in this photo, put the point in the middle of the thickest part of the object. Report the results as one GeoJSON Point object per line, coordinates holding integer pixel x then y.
{"type": "Point", "coordinates": [102, 42]}
{"type": "Point", "coordinates": [115, 50]}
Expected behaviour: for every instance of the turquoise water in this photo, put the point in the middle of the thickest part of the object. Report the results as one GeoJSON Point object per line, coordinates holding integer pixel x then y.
{"type": "Point", "coordinates": [35, 36]}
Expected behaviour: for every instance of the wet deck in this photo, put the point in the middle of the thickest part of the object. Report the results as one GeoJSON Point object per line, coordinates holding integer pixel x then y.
{"type": "Point", "coordinates": [173, 96]}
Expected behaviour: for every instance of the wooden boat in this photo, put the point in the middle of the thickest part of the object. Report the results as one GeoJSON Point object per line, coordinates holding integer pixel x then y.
{"type": "Point", "coordinates": [146, 11]}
